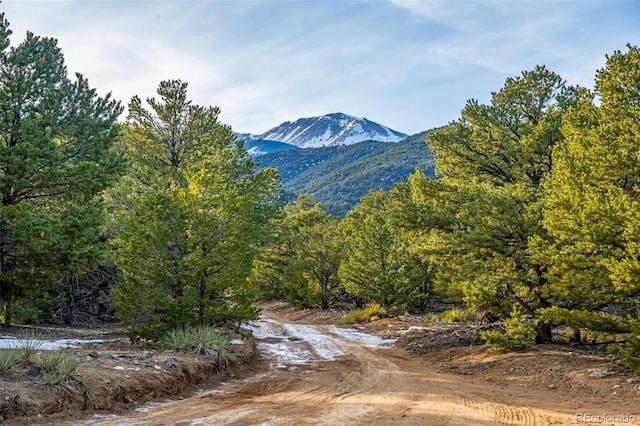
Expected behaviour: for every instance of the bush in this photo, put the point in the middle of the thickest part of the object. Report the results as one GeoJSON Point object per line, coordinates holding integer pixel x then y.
{"type": "Point", "coordinates": [8, 358]}
{"type": "Point", "coordinates": [457, 315]}
{"type": "Point", "coordinates": [58, 366]}
{"type": "Point", "coordinates": [363, 315]}
{"type": "Point", "coordinates": [24, 312]}
{"type": "Point", "coordinates": [577, 319]}
{"type": "Point", "coordinates": [630, 353]}
{"type": "Point", "coordinates": [517, 334]}
{"type": "Point", "coordinates": [201, 340]}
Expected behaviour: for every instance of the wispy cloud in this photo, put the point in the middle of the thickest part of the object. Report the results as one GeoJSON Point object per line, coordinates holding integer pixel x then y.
{"type": "Point", "coordinates": [409, 64]}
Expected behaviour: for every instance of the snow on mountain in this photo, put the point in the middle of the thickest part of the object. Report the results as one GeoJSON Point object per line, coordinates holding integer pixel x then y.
{"type": "Point", "coordinates": [257, 147]}
{"type": "Point", "coordinates": [245, 136]}
{"type": "Point", "coordinates": [330, 130]}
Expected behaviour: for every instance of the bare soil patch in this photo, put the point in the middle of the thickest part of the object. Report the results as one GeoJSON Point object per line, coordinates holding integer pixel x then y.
{"type": "Point", "coordinates": [436, 373]}
{"type": "Point", "coordinates": [112, 377]}
{"type": "Point", "coordinates": [568, 378]}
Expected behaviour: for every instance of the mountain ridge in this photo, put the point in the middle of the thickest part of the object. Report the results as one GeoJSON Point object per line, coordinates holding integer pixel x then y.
{"type": "Point", "coordinates": [332, 129]}
{"type": "Point", "coordinates": [338, 176]}
{"type": "Point", "coordinates": [258, 147]}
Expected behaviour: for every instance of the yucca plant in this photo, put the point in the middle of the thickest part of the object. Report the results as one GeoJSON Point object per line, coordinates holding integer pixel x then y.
{"type": "Point", "coordinates": [19, 397]}
{"type": "Point", "coordinates": [58, 366]}
{"type": "Point", "coordinates": [175, 339]}
{"type": "Point", "coordinates": [50, 360]}
{"type": "Point", "coordinates": [29, 346]}
{"type": "Point", "coordinates": [223, 355]}
{"type": "Point", "coordinates": [201, 340]}
{"type": "Point", "coordinates": [8, 358]}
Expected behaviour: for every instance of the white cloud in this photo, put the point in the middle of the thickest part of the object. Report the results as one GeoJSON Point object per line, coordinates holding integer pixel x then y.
{"type": "Point", "coordinates": [408, 64]}
{"type": "Point", "coordinates": [458, 15]}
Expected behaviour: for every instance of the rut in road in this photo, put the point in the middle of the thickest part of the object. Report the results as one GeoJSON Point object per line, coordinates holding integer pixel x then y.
{"type": "Point", "coordinates": [325, 375]}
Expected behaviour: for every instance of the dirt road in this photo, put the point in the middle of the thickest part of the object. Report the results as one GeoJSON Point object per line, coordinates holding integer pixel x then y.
{"type": "Point", "coordinates": [324, 375]}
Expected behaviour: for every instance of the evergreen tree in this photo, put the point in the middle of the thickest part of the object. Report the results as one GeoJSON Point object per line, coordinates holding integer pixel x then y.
{"type": "Point", "coordinates": [56, 158]}
{"type": "Point", "coordinates": [592, 207]}
{"type": "Point", "coordinates": [193, 213]}
{"type": "Point", "coordinates": [378, 264]}
{"type": "Point", "coordinates": [302, 267]}
{"type": "Point", "coordinates": [480, 218]}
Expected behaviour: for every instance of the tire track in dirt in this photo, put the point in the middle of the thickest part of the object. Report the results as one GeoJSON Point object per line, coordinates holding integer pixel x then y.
{"type": "Point", "coordinates": [324, 375]}
{"type": "Point", "coordinates": [505, 414]}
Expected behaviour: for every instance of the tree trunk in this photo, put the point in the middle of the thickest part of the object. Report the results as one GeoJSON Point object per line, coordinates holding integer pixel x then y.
{"type": "Point", "coordinates": [543, 333]}
{"type": "Point", "coordinates": [577, 337]}
{"type": "Point", "coordinates": [2, 307]}
{"type": "Point", "coordinates": [7, 314]}
{"type": "Point", "coordinates": [324, 304]}
{"type": "Point", "coordinates": [324, 299]}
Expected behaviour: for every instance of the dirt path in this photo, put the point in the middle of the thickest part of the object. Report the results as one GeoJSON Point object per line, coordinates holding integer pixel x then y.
{"type": "Point", "coordinates": [324, 375]}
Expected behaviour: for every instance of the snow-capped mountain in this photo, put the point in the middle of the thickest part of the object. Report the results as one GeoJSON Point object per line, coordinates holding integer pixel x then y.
{"type": "Point", "coordinates": [258, 147]}
{"type": "Point", "coordinates": [329, 130]}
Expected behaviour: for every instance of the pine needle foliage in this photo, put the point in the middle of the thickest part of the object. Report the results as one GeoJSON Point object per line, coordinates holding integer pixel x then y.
{"type": "Point", "coordinates": [56, 159]}
{"type": "Point", "coordinates": [630, 353]}
{"type": "Point", "coordinates": [191, 215]}
{"type": "Point", "coordinates": [518, 333]}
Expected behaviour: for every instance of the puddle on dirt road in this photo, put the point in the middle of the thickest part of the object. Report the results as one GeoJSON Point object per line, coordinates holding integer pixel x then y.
{"type": "Point", "coordinates": [289, 345]}
{"type": "Point", "coordinates": [11, 342]}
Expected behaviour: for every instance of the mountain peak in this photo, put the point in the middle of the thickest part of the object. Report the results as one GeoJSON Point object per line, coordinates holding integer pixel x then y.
{"type": "Point", "coordinates": [330, 130]}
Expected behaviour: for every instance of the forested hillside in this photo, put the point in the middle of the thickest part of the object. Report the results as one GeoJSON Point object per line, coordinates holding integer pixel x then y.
{"type": "Point", "coordinates": [339, 176]}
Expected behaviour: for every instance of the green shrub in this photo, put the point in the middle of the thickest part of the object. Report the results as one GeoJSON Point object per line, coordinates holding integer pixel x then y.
{"type": "Point", "coordinates": [517, 334]}
{"type": "Point", "coordinates": [352, 317]}
{"type": "Point", "coordinates": [201, 340]}
{"type": "Point", "coordinates": [58, 366]}
{"type": "Point", "coordinates": [630, 353]}
{"type": "Point", "coordinates": [24, 312]}
{"type": "Point", "coordinates": [362, 315]}
{"type": "Point", "coordinates": [577, 319]}
{"type": "Point", "coordinates": [453, 315]}
{"type": "Point", "coordinates": [375, 311]}
{"type": "Point", "coordinates": [8, 358]}
{"type": "Point", "coordinates": [431, 317]}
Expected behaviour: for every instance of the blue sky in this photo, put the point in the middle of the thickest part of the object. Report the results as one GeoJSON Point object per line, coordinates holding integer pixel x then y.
{"type": "Point", "coordinates": [408, 64]}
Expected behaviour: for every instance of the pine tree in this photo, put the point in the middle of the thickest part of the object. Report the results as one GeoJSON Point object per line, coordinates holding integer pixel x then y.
{"type": "Point", "coordinates": [193, 212]}
{"type": "Point", "coordinates": [302, 267]}
{"type": "Point", "coordinates": [56, 158]}
{"type": "Point", "coordinates": [480, 218]}
{"type": "Point", "coordinates": [592, 203]}
{"type": "Point", "coordinates": [378, 264]}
